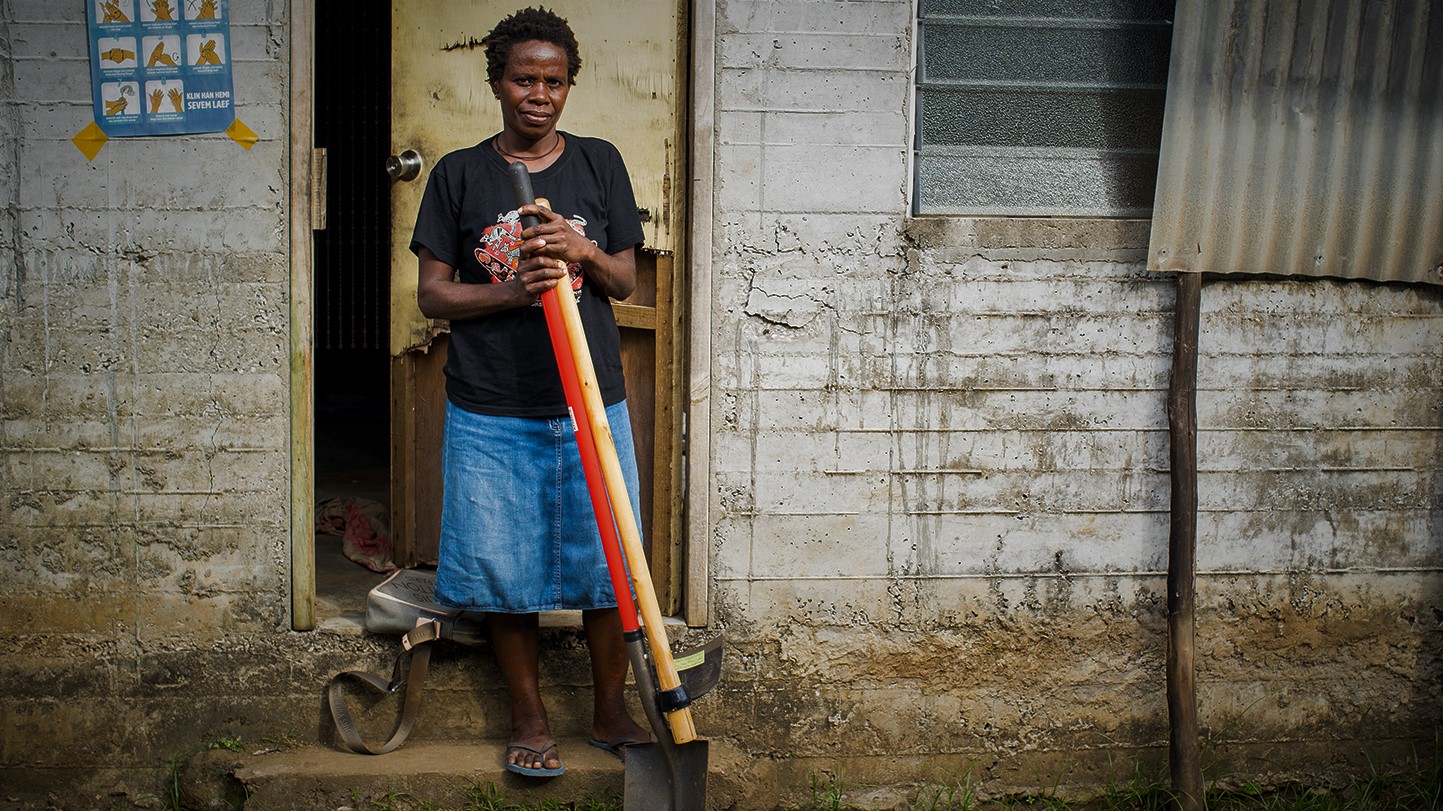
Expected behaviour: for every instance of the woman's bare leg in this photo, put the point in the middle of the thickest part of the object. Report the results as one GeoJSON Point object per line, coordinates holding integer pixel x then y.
{"type": "Point", "coordinates": [516, 638]}
{"type": "Point", "coordinates": [610, 721]}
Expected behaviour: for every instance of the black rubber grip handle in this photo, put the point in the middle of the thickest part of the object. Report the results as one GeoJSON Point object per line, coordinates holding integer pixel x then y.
{"type": "Point", "coordinates": [673, 699]}
{"type": "Point", "coordinates": [521, 190]}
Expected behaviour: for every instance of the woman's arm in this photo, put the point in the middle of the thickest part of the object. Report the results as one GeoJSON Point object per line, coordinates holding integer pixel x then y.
{"type": "Point", "coordinates": [441, 296]}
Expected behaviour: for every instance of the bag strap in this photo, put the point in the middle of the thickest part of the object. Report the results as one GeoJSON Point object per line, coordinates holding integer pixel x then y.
{"type": "Point", "coordinates": [417, 643]}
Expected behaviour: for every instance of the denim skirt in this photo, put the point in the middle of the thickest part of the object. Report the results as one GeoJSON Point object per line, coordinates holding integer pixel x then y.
{"type": "Point", "coordinates": [518, 532]}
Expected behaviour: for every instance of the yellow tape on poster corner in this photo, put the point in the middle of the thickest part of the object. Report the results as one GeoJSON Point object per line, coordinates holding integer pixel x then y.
{"type": "Point", "coordinates": [90, 140]}
{"type": "Point", "coordinates": [241, 134]}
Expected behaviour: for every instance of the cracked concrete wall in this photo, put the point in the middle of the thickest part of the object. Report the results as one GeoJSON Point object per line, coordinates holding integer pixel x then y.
{"type": "Point", "coordinates": [940, 467]}
{"type": "Point", "coordinates": [144, 492]}
{"type": "Point", "coordinates": [145, 360]}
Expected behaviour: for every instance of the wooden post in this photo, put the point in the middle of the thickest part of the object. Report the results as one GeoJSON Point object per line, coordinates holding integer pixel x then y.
{"type": "Point", "coordinates": [1184, 751]}
{"type": "Point", "coordinates": [302, 375]}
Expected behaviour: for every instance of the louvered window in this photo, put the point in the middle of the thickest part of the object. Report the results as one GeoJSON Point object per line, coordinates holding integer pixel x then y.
{"type": "Point", "coordinates": [1040, 107]}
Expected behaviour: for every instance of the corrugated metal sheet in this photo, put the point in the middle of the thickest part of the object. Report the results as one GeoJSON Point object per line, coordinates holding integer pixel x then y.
{"type": "Point", "coordinates": [1303, 138]}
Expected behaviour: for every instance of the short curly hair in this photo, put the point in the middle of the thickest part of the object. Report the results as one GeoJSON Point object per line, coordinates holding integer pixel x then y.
{"type": "Point", "coordinates": [524, 26]}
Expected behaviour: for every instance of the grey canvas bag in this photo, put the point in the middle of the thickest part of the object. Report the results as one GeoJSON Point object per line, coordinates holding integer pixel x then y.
{"type": "Point", "coordinates": [404, 604]}
{"type": "Point", "coordinates": [408, 598]}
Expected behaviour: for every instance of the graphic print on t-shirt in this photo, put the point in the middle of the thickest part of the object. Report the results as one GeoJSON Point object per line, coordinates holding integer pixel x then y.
{"type": "Point", "coordinates": [499, 251]}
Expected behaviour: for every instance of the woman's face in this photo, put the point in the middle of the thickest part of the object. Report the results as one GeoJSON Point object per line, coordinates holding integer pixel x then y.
{"type": "Point", "coordinates": [532, 89]}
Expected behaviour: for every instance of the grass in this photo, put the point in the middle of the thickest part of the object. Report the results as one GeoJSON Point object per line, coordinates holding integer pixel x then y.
{"type": "Point", "coordinates": [226, 742]}
{"type": "Point", "coordinates": [1416, 787]}
{"type": "Point", "coordinates": [389, 801]}
{"type": "Point", "coordinates": [489, 797]}
{"type": "Point", "coordinates": [172, 787]}
{"type": "Point", "coordinates": [290, 739]}
{"type": "Point", "coordinates": [961, 793]}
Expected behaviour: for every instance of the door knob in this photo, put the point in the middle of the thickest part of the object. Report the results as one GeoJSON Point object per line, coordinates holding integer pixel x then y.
{"type": "Point", "coordinates": [405, 166]}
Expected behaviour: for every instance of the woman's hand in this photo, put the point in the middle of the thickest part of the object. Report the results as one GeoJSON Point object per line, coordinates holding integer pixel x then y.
{"type": "Point", "coordinates": [536, 274]}
{"type": "Point", "coordinates": [554, 239]}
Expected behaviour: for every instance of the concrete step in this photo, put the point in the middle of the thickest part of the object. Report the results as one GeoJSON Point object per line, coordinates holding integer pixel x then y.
{"type": "Point", "coordinates": [439, 775]}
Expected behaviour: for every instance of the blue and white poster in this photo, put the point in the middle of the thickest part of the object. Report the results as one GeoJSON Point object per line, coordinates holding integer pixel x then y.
{"type": "Point", "coordinates": [161, 67]}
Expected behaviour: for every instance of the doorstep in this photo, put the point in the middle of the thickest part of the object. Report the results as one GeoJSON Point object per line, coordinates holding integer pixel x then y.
{"type": "Point", "coordinates": [429, 774]}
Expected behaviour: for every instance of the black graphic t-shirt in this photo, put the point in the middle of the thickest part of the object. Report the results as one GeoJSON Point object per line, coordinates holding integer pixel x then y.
{"type": "Point", "coordinates": [501, 364]}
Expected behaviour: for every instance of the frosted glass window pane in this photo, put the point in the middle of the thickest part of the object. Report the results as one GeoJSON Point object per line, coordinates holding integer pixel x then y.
{"type": "Point", "coordinates": [1057, 9]}
{"type": "Point", "coordinates": [1136, 54]}
{"type": "Point", "coordinates": [1130, 119]}
{"type": "Point", "coordinates": [1037, 185]}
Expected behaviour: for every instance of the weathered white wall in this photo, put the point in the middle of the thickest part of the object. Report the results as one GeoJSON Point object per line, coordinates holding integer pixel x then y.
{"type": "Point", "coordinates": [143, 416]}
{"type": "Point", "coordinates": [145, 362]}
{"type": "Point", "coordinates": [941, 473]}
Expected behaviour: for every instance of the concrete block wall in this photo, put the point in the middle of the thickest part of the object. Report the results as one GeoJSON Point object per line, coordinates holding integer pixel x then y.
{"type": "Point", "coordinates": [940, 468]}
{"type": "Point", "coordinates": [145, 362]}
{"type": "Point", "coordinates": [144, 426]}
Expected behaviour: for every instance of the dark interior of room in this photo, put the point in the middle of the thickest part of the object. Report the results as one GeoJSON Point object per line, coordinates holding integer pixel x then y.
{"type": "Point", "coordinates": [352, 290]}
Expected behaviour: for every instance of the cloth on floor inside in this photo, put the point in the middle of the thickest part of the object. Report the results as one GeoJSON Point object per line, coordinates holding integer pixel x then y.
{"type": "Point", "coordinates": [362, 525]}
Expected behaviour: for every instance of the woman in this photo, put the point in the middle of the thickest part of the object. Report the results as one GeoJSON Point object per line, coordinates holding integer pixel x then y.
{"type": "Point", "coordinates": [518, 534]}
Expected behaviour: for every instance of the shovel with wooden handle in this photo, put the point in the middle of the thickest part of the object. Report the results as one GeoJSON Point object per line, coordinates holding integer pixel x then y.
{"type": "Point", "coordinates": [670, 774]}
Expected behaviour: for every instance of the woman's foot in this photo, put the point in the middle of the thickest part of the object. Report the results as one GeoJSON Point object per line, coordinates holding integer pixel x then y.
{"type": "Point", "coordinates": [534, 758]}
{"type": "Point", "coordinates": [617, 746]}
{"type": "Point", "coordinates": [612, 727]}
{"type": "Point", "coordinates": [532, 751]}
{"type": "Point", "coordinates": [618, 734]}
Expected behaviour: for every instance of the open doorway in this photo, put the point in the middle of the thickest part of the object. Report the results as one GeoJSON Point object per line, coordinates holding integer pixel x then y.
{"type": "Point", "coordinates": [352, 302]}
{"type": "Point", "coordinates": [384, 82]}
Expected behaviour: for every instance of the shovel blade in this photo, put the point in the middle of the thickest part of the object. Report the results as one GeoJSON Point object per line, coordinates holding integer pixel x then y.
{"type": "Point", "coordinates": [660, 781]}
{"type": "Point", "coordinates": [700, 668]}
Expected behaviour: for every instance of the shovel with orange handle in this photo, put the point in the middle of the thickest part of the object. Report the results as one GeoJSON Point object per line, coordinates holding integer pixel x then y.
{"type": "Point", "coordinates": [669, 774]}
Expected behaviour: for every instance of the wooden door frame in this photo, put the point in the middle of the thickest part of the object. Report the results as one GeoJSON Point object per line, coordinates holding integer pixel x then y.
{"type": "Point", "coordinates": [696, 501]}
{"type": "Point", "coordinates": [302, 257]}
{"type": "Point", "coordinates": [696, 581]}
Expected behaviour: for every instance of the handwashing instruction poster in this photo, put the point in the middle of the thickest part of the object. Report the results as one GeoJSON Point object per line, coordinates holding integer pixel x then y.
{"type": "Point", "coordinates": [161, 67]}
